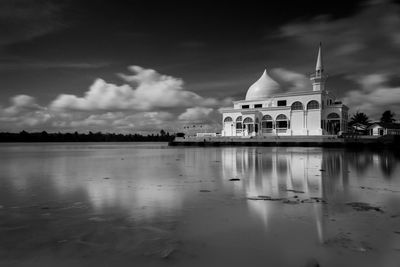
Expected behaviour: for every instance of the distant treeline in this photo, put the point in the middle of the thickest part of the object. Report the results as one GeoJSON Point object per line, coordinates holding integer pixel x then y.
{"type": "Point", "coordinates": [82, 137]}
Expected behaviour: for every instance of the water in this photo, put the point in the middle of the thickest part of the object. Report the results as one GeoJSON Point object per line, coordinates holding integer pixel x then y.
{"type": "Point", "coordinates": [147, 204]}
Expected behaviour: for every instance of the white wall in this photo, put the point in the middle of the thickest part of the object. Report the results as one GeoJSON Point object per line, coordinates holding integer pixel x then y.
{"type": "Point", "coordinates": [375, 129]}
{"type": "Point", "coordinates": [297, 122]}
{"type": "Point", "coordinates": [313, 122]}
{"type": "Point", "coordinates": [302, 122]}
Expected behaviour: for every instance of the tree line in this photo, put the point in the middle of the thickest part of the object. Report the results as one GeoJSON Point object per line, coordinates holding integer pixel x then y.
{"type": "Point", "coordinates": [44, 136]}
{"type": "Point", "coordinates": [362, 118]}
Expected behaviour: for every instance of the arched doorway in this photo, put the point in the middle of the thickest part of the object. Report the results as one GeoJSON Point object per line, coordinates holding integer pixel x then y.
{"type": "Point", "coordinates": [282, 123]}
{"type": "Point", "coordinates": [333, 123]}
{"type": "Point", "coordinates": [266, 124]}
{"type": "Point", "coordinates": [248, 125]}
{"type": "Point", "coordinates": [228, 126]}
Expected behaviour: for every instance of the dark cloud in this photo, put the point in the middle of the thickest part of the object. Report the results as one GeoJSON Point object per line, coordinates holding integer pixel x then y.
{"type": "Point", "coordinates": [363, 49]}
{"type": "Point", "coordinates": [54, 50]}
{"type": "Point", "coordinates": [23, 65]}
{"type": "Point", "coordinates": [363, 43]}
{"type": "Point", "coordinates": [23, 20]}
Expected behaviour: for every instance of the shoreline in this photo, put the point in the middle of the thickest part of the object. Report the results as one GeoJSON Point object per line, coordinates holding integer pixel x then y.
{"type": "Point", "coordinates": [386, 142]}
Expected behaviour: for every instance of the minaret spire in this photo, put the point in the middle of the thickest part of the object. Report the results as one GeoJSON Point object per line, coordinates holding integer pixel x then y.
{"type": "Point", "coordinates": [319, 67]}
{"type": "Point", "coordinates": [318, 78]}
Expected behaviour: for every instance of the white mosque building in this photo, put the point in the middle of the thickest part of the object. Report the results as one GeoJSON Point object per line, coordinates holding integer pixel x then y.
{"type": "Point", "coordinates": [266, 112]}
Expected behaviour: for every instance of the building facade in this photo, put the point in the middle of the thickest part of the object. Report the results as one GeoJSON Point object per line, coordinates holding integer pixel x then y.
{"type": "Point", "coordinates": [266, 112]}
{"type": "Point", "coordinates": [379, 129]}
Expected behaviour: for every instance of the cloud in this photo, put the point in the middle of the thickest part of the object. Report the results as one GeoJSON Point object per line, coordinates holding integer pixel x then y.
{"type": "Point", "coordinates": [145, 89]}
{"type": "Point", "coordinates": [360, 51]}
{"type": "Point", "coordinates": [23, 112]}
{"type": "Point", "coordinates": [196, 114]}
{"type": "Point", "coordinates": [21, 103]}
{"type": "Point", "coordinates": [147, 101]}
{"type": "Point", "coordinates": [23, 20]}
{"type": "Point", "coordinates": [374, 97]}
{"type": "Point", "coordinates": [370, 82]}
{"type": "Point", "coordinates": [42, 65]}
{"type": "Point", "coordinates": [122, 120]}
{"type": "Point", "coordinates": [290, 80]}
{"type": "Point", "coordinates": [353, 43]}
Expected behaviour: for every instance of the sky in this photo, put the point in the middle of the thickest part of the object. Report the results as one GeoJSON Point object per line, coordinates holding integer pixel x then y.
{"type": "Point", "coordinates": [142, 66]}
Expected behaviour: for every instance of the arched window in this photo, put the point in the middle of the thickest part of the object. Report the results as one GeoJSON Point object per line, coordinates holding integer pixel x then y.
{"type": "Point", "coordinates": [228, 119]}
{"type": "Point", "coordinates": [248, 120]}
{"type": "Point", "coordinates": [281, 117]}
{"type": "Point", "coordinates": [266, 124]}
{"type": "Point", "coordinates": [282, 123]}
{"type": "Point", "coordinates": [313, 104]}
{"type": "Point", "coordinates": [239, 124]}
{"type": "Point", "coordinates": [333, 116]}
{"type": "Point", "coordinates": [297, 106]}
{"type": "Point", "coordinates": [266, 118]}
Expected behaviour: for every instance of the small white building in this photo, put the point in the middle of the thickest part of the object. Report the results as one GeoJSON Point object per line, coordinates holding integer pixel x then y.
{"type": "Point", "coordinates": [379, 128]}
{"type": "Point", "coordinates": [266, 112]}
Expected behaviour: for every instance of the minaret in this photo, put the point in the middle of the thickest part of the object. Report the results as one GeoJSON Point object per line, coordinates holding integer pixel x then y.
{"type": "Point", "coordinates": [318, 78]}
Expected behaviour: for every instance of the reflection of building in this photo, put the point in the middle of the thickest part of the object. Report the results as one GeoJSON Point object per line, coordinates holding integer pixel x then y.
{"type": "Point", "coordinates": [282, 169]}
{"type": "Point", "coordinates": [267, 112]}
{"type": "Point", "coordinates": [285, 172]}
{"type": "Point", "coordinates": [335, 175]}
{"type": "Point", "coordinates": [363, 163]}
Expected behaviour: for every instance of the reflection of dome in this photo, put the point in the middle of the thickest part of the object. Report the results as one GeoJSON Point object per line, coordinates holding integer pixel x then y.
{"type": "Point", "coordinates": [262, 88]}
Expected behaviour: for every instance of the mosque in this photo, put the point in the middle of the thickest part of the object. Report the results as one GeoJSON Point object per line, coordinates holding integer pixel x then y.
{"type": "Point", "coordinates": [266, 112]}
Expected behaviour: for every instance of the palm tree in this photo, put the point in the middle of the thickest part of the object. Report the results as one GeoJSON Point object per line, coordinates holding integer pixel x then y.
{"type": "Point", "coordinates": [387, 117]}
{"type": "Point", "coordinates": [359, 117]}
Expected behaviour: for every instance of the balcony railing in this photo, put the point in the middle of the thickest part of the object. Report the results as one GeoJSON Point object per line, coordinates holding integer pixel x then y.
{"type": "Point", "coordinates": [315, 75]}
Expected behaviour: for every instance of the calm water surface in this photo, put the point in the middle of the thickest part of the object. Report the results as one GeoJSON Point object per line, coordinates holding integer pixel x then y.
{"type": "Point", "coordinates": [147, 204]}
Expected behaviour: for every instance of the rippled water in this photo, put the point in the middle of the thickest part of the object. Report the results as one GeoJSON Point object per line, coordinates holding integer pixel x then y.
{"type": "Point", "coordinates": [127, 204]}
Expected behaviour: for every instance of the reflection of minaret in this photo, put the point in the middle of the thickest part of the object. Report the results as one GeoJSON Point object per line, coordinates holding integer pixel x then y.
{"type": "Point", "coordinates": [317, 172]}
{"type": "Point", "coordinates": [314, 185]}
{"type": "Point", "coordinates": [334, 183]}
{"type": "Point", "coordinates": [256, 185]}
{"type": "Point", "coordinates": [322, 173]}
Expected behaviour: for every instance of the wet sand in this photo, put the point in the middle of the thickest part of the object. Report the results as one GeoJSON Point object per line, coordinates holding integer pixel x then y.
{"type": "Point", "coordinates": [126, 204]}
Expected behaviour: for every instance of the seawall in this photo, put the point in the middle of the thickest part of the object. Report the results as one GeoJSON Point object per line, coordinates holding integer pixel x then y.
{"type": "Point", "coordinates": [304, 141]}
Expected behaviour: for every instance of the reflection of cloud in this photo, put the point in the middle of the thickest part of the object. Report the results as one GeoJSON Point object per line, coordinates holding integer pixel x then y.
{"type": "Point", "coordinates": [146, 197]}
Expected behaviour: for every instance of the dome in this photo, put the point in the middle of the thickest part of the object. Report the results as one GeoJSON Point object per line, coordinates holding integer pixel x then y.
{"type": "Point", "coordinates": [262, 88]}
